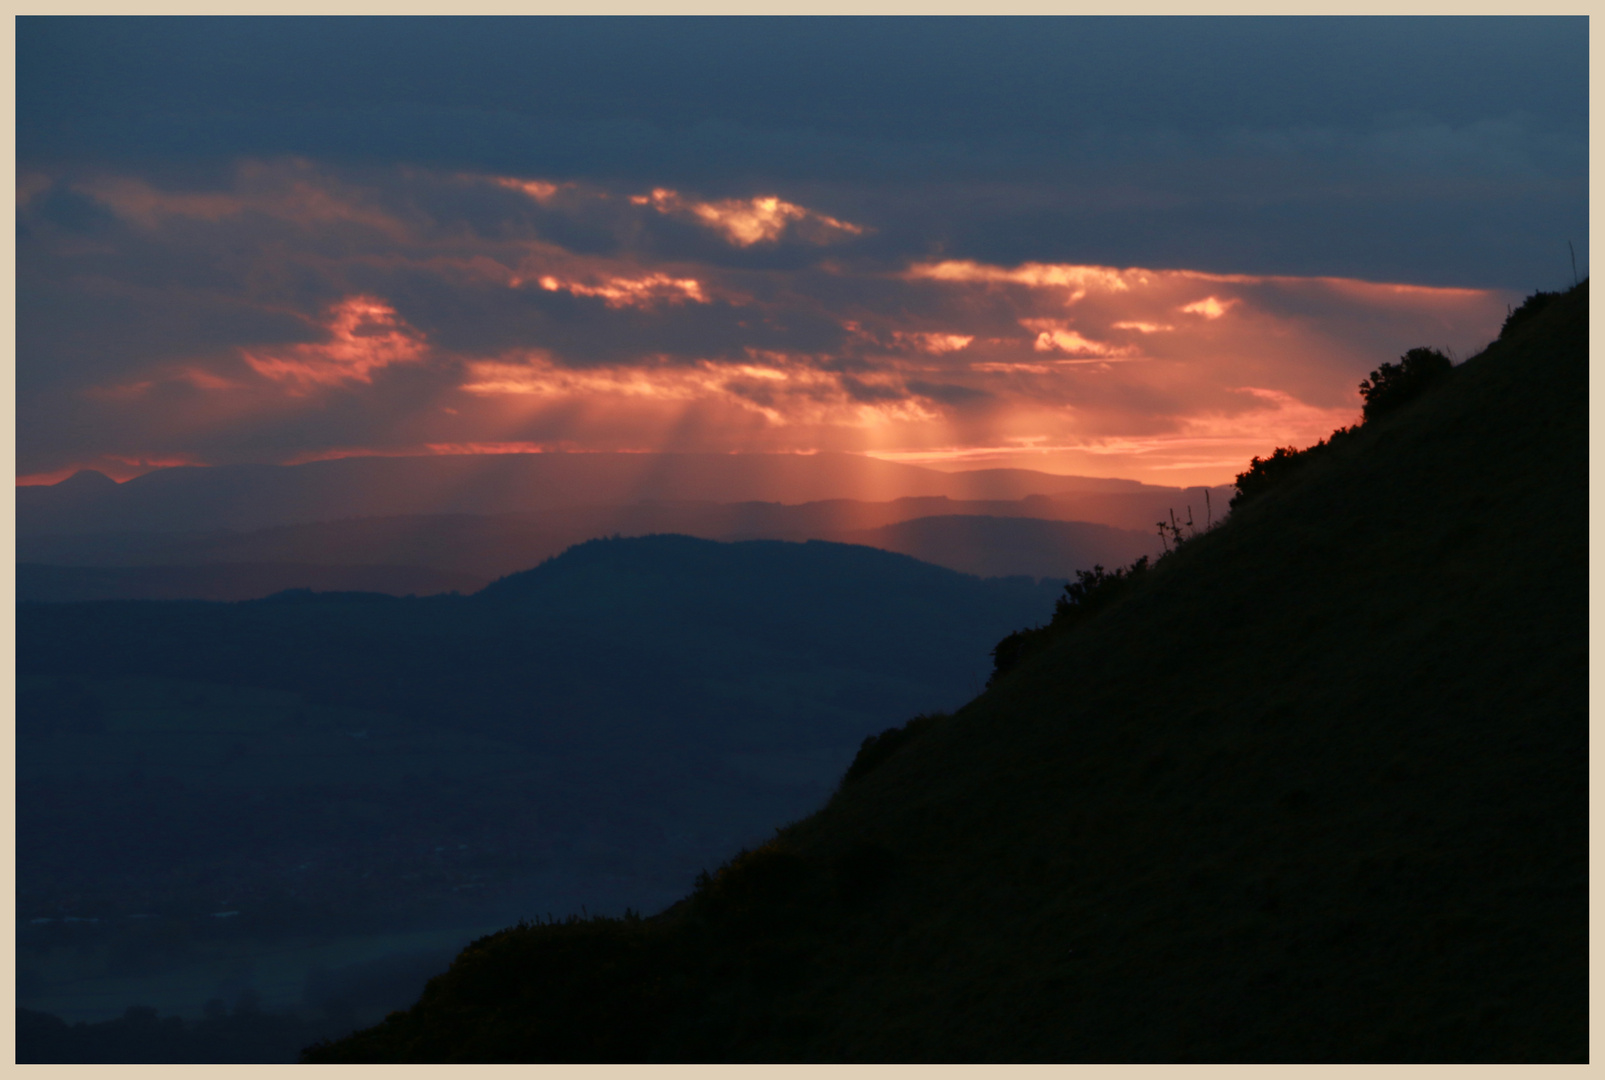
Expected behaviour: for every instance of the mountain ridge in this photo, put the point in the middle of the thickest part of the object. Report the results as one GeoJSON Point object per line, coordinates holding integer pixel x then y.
{"type": "Point", "coordinates": [185, 498]}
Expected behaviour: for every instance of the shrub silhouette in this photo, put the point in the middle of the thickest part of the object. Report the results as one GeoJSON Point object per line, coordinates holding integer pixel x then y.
{"type": "Point", "coordinates": [1392, 386]}
{"type": "Point", "coordinates": [1530, 307]}
{"type": "Point", "coordinates": [1263, 474]}
{"type": "Point", "coordinates": [1008, 653]}
{"type": "Point", "coordinates": [1092, 591]}
{"type": "Point", "coordinates": [1387, 389]}
{"type": "Point", "coordinates": [877, 748]}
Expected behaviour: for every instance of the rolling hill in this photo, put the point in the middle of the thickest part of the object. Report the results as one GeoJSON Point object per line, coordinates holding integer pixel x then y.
{"type": "Point", "coordinates": [1037, 536]}
{"type": "Point", "coordinates": [1314, 788]}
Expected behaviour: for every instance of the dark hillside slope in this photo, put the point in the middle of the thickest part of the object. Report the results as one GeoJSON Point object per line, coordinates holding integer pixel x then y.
{"type": "Point", "coordinates": [1315, 790]}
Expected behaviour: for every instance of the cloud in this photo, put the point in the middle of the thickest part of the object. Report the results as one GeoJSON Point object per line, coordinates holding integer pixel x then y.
{"type": "Point", "coordinates": [1208, 307]}
{"type": "Point", "coordinates": [931, 342]}
{"type": "Point", "coordinates": [762, 219]}
{"type": "Point", "coordinates": [539, 190]}
{"type": "Point", "coordinates": [642, 292]}
{"type": "Point", "coordinates": [301, 308]}
{"type": "Point", "coordinates": [1036, 275]}
{"type": "Point", "coordinates": [1054, 336]}
{"type": "Point", "coordinates": [364, 335]}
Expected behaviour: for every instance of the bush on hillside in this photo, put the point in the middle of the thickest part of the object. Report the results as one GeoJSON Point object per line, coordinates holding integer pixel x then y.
{"type": "Point", "coordinates": [1092, 591]}
{"type": "Point", "coordinates": [1007, 654]}
{"type": "Point", "coordinates": [1530, 307]}
{"type": "Point", "coordinates": [1387, 389]}
{"type": "Point", "coordinates": [1263, 474]}
{"type": "Point", "coordinates": [877, 748]}
{"type": "Point", "coordinates": [1393, 386]}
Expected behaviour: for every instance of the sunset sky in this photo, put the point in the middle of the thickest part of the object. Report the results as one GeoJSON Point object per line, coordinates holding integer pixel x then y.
{"type": "Point", "coordinates": [1147, 248]}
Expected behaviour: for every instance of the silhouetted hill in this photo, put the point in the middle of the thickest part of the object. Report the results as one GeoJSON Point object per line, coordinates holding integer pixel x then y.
{"type": "Point", "coordinates": [243, 497]}
{"type": "Point", "coordinates": [491, 546]}
{"type": "Point", "coordinates": [1314, 788]}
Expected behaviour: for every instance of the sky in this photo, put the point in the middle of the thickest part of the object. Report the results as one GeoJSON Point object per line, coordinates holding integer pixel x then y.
{"type": "Point", "coordinates": [1146, 248]}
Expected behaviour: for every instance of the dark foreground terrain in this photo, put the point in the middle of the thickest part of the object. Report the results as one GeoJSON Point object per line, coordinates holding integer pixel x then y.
{"type": "Point", "coordinates": [1314, 788]}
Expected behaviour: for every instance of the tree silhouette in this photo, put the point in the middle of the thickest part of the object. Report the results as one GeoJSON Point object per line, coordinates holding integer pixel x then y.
{"type": "Point", "coordinates": [1393, 385]}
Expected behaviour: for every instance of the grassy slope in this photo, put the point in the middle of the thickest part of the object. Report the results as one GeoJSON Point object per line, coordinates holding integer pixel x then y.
{"type": "Point", "coordinates": [1316, 790]}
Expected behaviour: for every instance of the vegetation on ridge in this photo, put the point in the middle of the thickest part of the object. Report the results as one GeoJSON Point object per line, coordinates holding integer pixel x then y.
{"type": "Point", "coordinates": [1388, 389]}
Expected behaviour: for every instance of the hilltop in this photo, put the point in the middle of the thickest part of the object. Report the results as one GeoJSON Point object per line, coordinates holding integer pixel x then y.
{"type": "Point", "coordinates": [1313, 788]}
{"type": "Point", "coordinates": [1039, 535]}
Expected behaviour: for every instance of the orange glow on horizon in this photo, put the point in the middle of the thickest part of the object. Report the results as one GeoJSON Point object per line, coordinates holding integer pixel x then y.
{"type": "Point", "coordinates": [119, 468]}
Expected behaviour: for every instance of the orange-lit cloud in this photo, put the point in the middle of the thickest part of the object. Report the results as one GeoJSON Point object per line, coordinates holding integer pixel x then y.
{"type": "Point", "coordinates": [1054, 336]}
{"type": "Point", "coordinates": [1208, 307]}
{"type": "Point", "coordinates": [1171, 375]}
{"type": "Point", "coordinates": [926, 341]}
{"type": "Point", "coordinates": [785, 391]}
{"type": "Point", "coordinates": [364, 335]}
{"type": "Point", "coordinates": [1037, 275]}
{"type": "Point", "coordinates": [641, 292]}
{"type": "Point", "coordinates": [758, 220]}
{"type": "Point", "coordinates": [539, 190]}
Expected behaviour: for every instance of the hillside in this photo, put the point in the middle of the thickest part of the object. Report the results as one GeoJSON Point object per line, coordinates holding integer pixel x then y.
{"type": "Point", "coordinates": [1315, 789]}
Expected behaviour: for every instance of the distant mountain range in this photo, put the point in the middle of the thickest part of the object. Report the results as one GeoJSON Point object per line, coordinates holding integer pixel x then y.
{"type": "Point", "coordinates": [1036, 536]}
{"type": "Point", "coordinates": [246, 497]}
